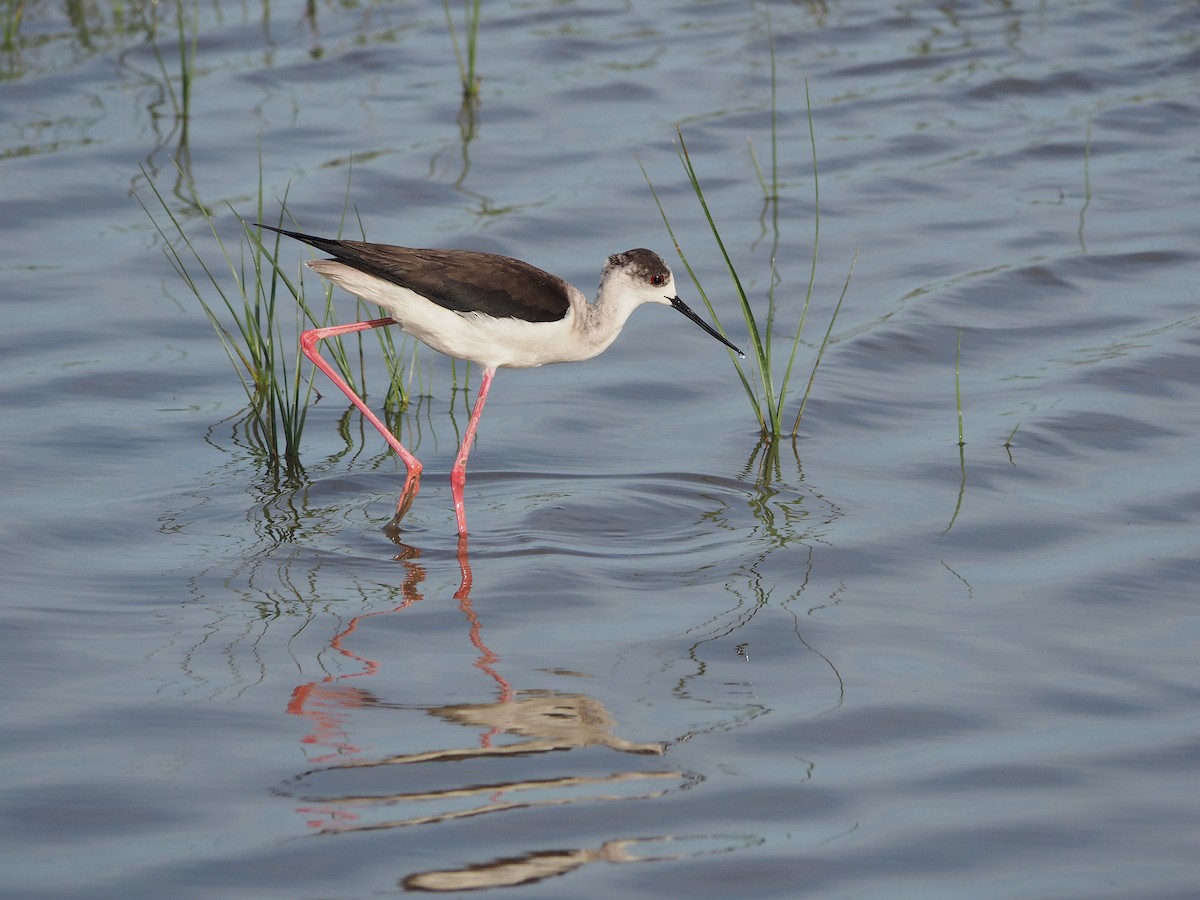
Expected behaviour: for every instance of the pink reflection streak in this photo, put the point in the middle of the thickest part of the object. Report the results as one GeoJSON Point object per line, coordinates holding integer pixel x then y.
{"type": "Point", "coordinates": [327, 703]}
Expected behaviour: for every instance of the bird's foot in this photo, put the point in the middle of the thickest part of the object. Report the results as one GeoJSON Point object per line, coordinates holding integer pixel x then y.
{"type": "Point", "coordinates": [403, 505]}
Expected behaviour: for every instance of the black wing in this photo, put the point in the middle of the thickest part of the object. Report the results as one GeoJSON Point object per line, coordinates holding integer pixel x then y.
{"type": "Point", "coordinates": [460, 280]}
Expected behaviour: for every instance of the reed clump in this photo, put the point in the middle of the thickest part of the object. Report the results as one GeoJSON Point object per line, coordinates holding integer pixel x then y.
{"type": "Point", "coordinates": [248, 295]}
{"type": "Point", "coordinates": [767, 392]}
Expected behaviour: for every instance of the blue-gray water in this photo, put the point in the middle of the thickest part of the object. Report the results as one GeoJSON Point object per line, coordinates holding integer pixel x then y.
{"type": "Point", "coordinates": [870, 667]}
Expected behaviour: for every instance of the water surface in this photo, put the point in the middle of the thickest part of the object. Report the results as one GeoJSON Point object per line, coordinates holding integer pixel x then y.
{"type": "Point", "coordinates": [667, 663]}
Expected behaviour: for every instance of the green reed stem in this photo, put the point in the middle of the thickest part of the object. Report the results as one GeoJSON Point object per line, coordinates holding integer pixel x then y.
{"type": "Point", "coordinates": [767, 397]}
{"type": "Point", "coordinates": [14, 12]}
{"type": "Point", "coordinates": [181, 100]}
{"type": "Point", "coordinates": [958, 390]}
{"type": "Point", "coordinates": [252, 342]}
{"type": "Point", "coordinates": [1012, 434]}
{"type": "Point", "coordinates": [751, 393]}
{"type": "Point", "coordinates": [824, 343]}
{"type": "Point", "coordinates": [466, 67]}
{"type": "Point", "coordinates": [247, 319]}
{"type": "Point", "coordinates": [812, 277]}
{"type": "Point", "coordinates": [759, 349]}
{"type": "Point", "coordinates": [187, 58]}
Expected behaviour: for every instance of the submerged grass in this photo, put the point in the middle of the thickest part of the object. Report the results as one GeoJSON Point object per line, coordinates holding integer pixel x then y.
{"type": "Point", "coordinates": [247, 318]}
{"type": "Point", "coordinates": [958, 391]}
{"type": "Point", "coordinates": [767, 395]}
{"type": "Point", "coordinates": [10, 24]}
{"type": "Point", "coordinates": [187, 38]}
{"type": "Point", "coordinates": [466, 59]}
{"type": "Point", "coordinates": [1008, 442]}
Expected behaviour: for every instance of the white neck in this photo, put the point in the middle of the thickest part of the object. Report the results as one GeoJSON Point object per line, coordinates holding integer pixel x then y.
{"type": "Point", "coordinates": [597, 324]}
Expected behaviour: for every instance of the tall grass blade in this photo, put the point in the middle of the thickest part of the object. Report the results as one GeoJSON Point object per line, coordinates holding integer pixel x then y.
{"type": "Point", "coordinates": [812, 275]}
{"type": "Point", "coordinates": [767, 397]}
{"type": "Point", "coordinates": [751, 393]}
{"type": "Point", "coordinates": [249, 327]}
{"type": "Point", "coordinates": [958, 390]}
{"type": "Point", "coordinates": [466, 66]}
{"type": "Point", "coordinates": [824, 343]}
{"type": "Point", "coordinates": [14, 12]}
{"type": "Point", "coordinates": [761, 356]}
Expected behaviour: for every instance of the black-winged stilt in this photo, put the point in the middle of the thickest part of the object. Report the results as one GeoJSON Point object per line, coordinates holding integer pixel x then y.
{"type": "Point", "coordinates": [488, 309]}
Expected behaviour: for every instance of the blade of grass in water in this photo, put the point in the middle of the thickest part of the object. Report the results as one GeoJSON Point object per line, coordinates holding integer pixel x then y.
{"type": "Point", "coordinates": [181, 100]}
{"type": "Point", "coordinates": [958, 390]}
{"type": "Point", "coordinates": [466, 67]}
{"type": "Point", "coordinates": [251, 344]}
{"type": "Point", "coordinates": [824, 343]}
{"type": "Point", "coordinates": [247, 321]}
{"type": "Point", "coordinates": [759, 349]}
{"type": "Point", "coordinates": [751, 394]}
{"type": "Point", "coordinates": [767, 398]}
{"type": "Point", "coordinates": [812, 275]}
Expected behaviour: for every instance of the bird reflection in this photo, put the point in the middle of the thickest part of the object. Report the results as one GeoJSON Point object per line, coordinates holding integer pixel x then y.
{"type": "Point", "coordinates": [325, 703]}
{"type": "Point", "coordinates": [527, 869]}
{"type": "Point", "coordinates": [355, 790]}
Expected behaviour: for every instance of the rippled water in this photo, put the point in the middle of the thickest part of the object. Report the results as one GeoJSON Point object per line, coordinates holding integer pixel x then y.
{"type": "Point", "coordinates": [866, 664]}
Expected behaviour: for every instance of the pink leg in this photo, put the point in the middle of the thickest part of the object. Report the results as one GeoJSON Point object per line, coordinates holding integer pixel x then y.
{"type": "Point", "coordinates": [308, 343]}
{"type": "Point", "coordinates": [458, 475]}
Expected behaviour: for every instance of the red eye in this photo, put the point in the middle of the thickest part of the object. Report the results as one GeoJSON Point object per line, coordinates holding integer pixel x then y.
{"type": "Point", "coordinates": [657, 280]}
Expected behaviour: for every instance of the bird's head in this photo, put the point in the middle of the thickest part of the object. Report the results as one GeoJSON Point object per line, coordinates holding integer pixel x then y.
{"type": "Point", "coordinates": [642, 276]}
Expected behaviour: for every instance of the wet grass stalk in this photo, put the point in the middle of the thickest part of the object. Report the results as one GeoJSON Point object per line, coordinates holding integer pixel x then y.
{"type": "Point", "coordinates": [771, 192]}
{"type": "Point", "coordinates": [466, 62]}
{"type": "Point", "coordinates": [249, 328]}
{"type": "Point", "coordinates": [958, 391]}
{"type": "Point", "coordinates": [1087, 184]}
{"type": "Point", "coordinates": [762, 400]}
{"type": "Point", "coordinates": [14, 12]}
{"type": "Point", "coordinates": [812, 275]}
{"type": "Point", "coordinates": [181, 101]}
{"type": "Point", "coordinates": [247, 319]}
{"type": "Point", "coordinates": [767, 397]}
{"type": "Point", "coordinates": [812, 376]}
{"type": "Point", "coordinates": [187, 58]}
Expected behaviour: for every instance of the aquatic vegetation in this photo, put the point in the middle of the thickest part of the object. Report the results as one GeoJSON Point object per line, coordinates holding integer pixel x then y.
{"type": "Point", "coordinates": [958, 391]}
{"type": "Point", "coordinates": [766, 395]}
{"type": "Point", "coordinates": [248, 317]}
{"type": "Point", "coordinates": [466, 61]}
{"type": "Point", "coordinates": [187, 36]}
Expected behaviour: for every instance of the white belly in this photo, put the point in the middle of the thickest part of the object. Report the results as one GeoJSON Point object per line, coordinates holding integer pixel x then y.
{"type": "Point", "coordinates": [479, 338]}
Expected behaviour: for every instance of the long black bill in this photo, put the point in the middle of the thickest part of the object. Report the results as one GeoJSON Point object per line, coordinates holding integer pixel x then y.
{"type": "Point", "coordinates": [687, 311]}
